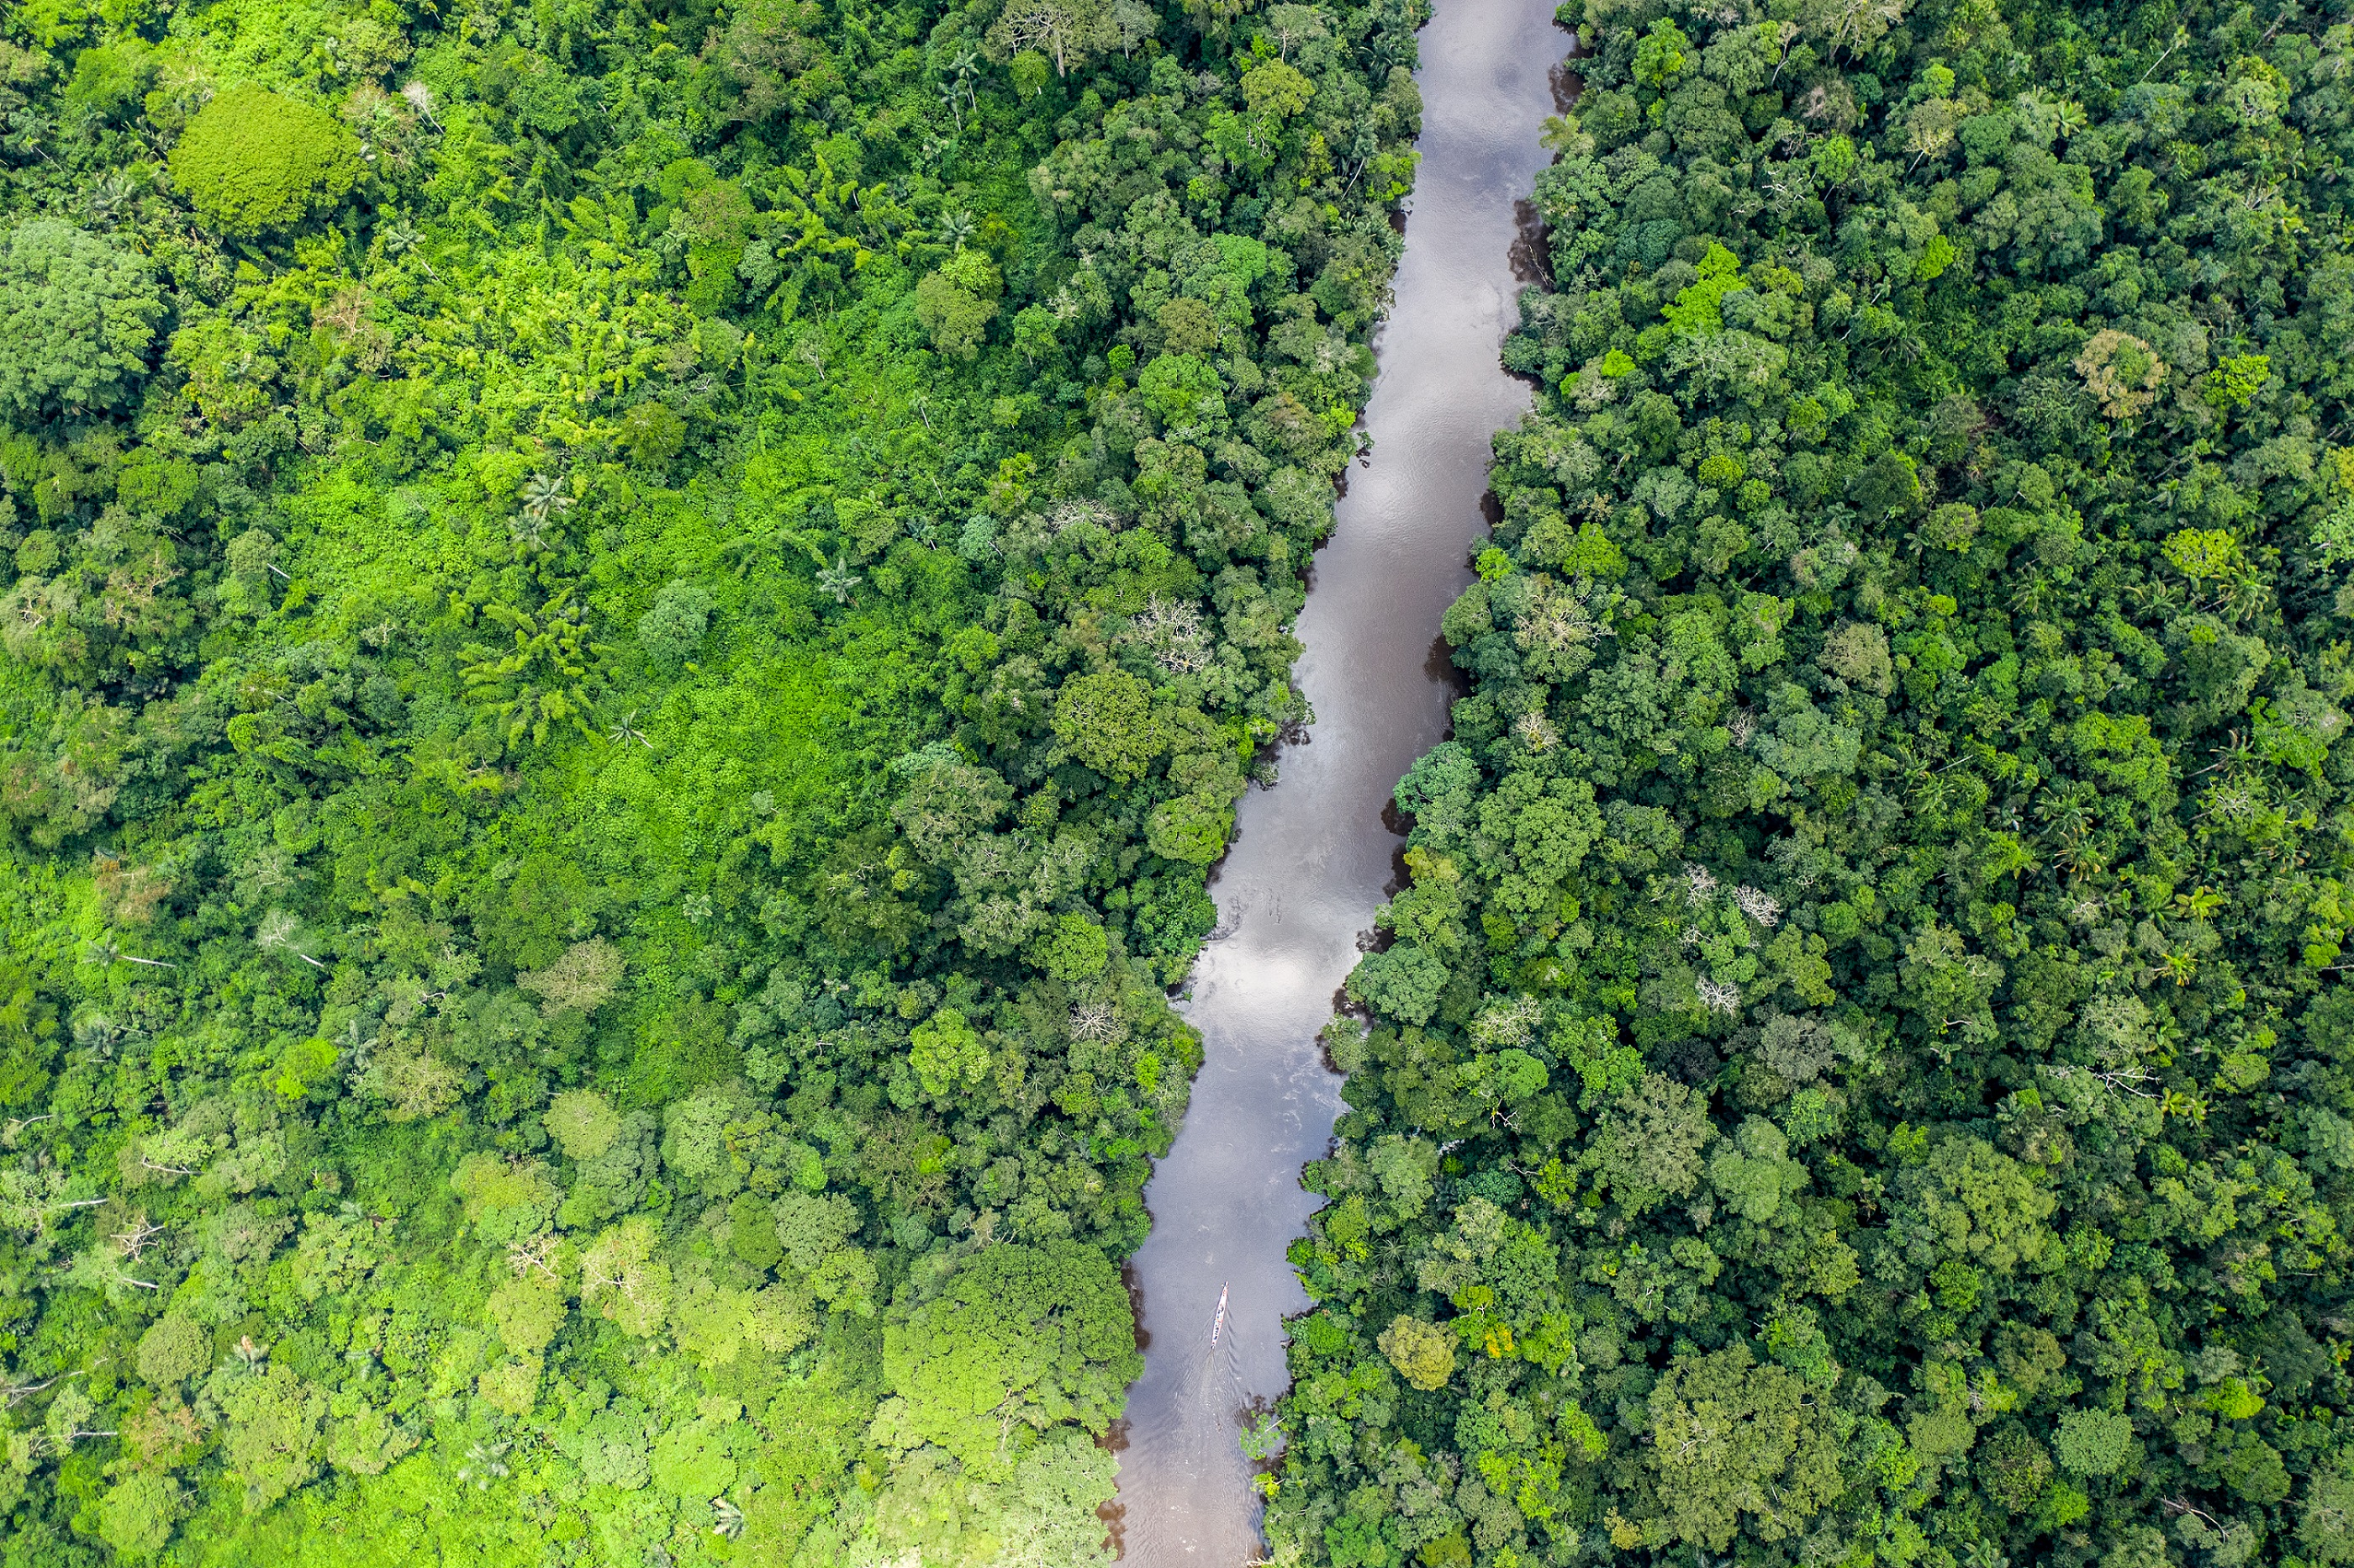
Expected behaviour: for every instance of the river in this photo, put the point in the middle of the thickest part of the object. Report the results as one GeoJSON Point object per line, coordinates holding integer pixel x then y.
{"type": "Point", "coordinates": [1314, 855]}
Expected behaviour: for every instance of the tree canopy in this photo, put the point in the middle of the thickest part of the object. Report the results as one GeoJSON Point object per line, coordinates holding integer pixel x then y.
{"type": "Point", "coordinates": [253, 161]}
{"type": "Point", "coordinates": [77, 317]}
{"type": "Point", "coordinates": [1898, 815]}
{"type": "Point", "coordinates": [629, 632]}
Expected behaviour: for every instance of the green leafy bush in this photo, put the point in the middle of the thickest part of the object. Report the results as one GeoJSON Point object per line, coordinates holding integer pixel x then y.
{"type": "Point", "coordinates": [255, 162]}
{"type": "Point", "coordinates": [671, 631]}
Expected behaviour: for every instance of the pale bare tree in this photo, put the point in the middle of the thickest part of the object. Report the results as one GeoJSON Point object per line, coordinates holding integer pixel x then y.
{"type": "Point", "coordinates": [1854, 25]}
{"type": "Point", "coordinates": [1067, 31]}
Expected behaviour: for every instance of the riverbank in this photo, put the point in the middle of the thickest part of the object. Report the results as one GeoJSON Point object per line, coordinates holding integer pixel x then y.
{"type": "Point", "coordinates": [1314, 855]}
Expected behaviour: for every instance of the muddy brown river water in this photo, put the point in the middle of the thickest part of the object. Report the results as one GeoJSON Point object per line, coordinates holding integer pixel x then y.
{"type": "Point", "coordinates": [1314, 856]}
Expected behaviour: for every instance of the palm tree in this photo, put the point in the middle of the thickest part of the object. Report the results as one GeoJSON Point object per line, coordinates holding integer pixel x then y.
{"type": "Point", "coordinates": [107, 197]}
{"type": "Point", "coordinates": [544, 497]}
{"type": "Point", "coordinates": [106, 951]}
{"type": "Point", "coordinates": [400, 238]}
{"type": "Point", "coordinates": [837, 580]}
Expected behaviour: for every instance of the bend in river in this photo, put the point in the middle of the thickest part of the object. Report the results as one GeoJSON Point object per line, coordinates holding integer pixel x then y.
{"type": "Point", "coordinates": [1313, 856]}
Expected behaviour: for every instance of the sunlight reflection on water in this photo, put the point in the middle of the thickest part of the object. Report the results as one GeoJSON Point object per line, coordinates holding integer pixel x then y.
{"type": "Point", "coordinates": [1313, 857]}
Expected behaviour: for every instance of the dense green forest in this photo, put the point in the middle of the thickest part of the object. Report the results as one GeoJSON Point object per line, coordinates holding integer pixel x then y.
{"type": "Point", "coordinates": [1862, 1072]}
{"type": "Point", "coordinates": [627, 633]}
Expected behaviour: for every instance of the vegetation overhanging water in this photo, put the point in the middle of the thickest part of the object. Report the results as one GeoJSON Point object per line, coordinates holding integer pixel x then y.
{"type": "Point", "coordinates": [627, 631]}
{"type": "Point", "coordinates": [1861, 1072]}
{"type": "Point", "coordinates": [1313, 856]}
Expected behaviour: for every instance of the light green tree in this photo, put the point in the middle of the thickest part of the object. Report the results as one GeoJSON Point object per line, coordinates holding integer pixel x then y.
{"type": "Point", "coordinates": [1047, 1517]}
{"type": "Point", "coordinates": [1424, 1353]}
{"type": "Point", "coordinates": [272, 1424]}
{"type": "Point", "coordinates": [1074, 948]}
{"type": "Point", "coordinates": [583, 1123]}
{"type": "Point", "coordinates": [2093, 1442]}
{"type": "Point", "coordinates": [623, 1279]}
{"type": "Point", "coordinates": [2326, 1517]}
{"type": "Point", "coordinates": [1069, 32]}
{"type": "Point", "coordinates": [582, 980]}
{"type": "Point", "coordinates": [507, 1200]}
{"type": "Point", "coordinates": [957, 303]}
{"type": "Point", "coordinates": [254, 161]}
{"type": "Point", "coordinates": [367, 1440]}
{"type": "Point", "coordinates": [1739, 1449]}
{"type": "Point", "coordinates": [673, 628]}
{"type": "Point", "coordinates": [948, 801]}
{"type": "Point", "coordinates": [1022, 1339]}
{"type": "Point", "coordinates": [695, 1141]}
{"type": "Point", "coordinates": [1753, 1171]}
{"type": "Point", "coordinates": [1404, 1167]}
{"type": "Point", "coordinates": [813, 1227]}
{"type": "Point", "coordinates": [1648, 1145]}
{"type": "Point", "coordinates": [693, 1459]}
{"type": "Point", "coordinates": [527, 1311]}
{"type": "Point", "coordinates": [1106, 719]}
{"type": "Point", "coordinates": [136, 1515]}
{"type": "Point", "coordinates": [2014, 1466]}
{"type": "Point", "coordinates": [1191, 828]}
{"type": "Point", "coordinates": [1402, 983]}
{"type": "Point", "coordinates": [77, 316]}
{"type": "Point", "coordinates": [173, 1349]}
{"type": "Point", "coordinates": [947, 1053]}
